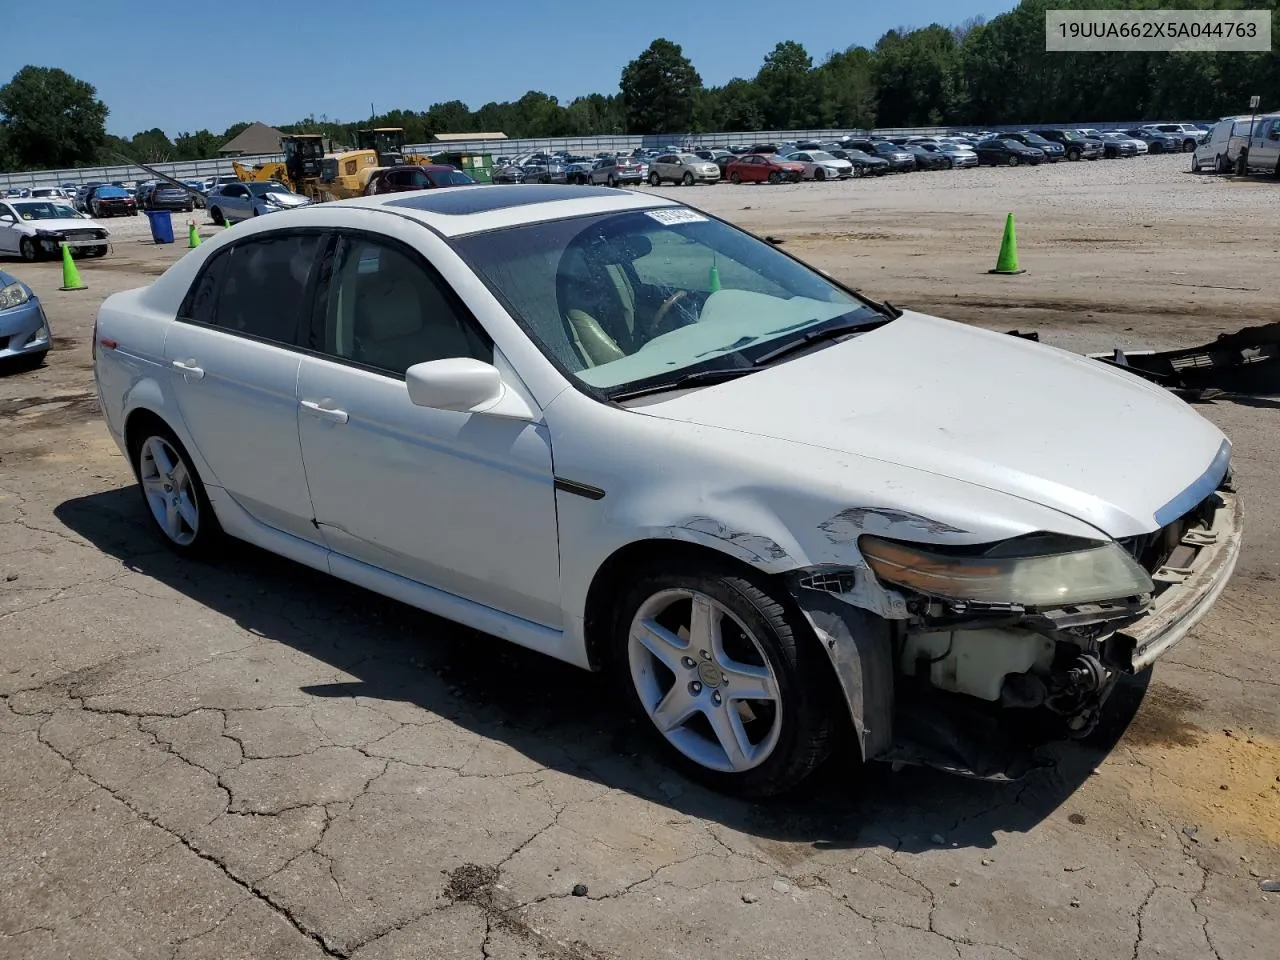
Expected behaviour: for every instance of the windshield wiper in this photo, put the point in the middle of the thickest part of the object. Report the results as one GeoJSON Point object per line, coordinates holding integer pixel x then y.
{"type": "Point", "coordinates": [700, 378]}
{"type": "Point", "coordinates": [812, 337]}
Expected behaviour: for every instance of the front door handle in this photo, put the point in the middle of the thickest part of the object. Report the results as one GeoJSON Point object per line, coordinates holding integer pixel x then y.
{"type": "Point", "coordinates": [323, 410]}
{"type": "Point", "coordinates": [189, 369]}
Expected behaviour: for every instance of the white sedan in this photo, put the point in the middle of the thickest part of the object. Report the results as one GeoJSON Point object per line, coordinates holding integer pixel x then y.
{"type": "Point", "coordinates": [820, 165]}
{"type": "Point", "coordinates": [615, 430]}
{"type": "Point", "coordinates": [36, 228]}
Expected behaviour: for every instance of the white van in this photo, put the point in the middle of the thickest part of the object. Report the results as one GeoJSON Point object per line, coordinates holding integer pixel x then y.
{"type": "Point", "coordinates": [1220, 148]}
{"type": "Point", "coordinates": [1262, 154]}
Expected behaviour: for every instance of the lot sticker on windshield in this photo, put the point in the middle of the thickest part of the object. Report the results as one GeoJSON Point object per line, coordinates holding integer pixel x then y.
{"type": "Point", "coordinates": [681, 215]}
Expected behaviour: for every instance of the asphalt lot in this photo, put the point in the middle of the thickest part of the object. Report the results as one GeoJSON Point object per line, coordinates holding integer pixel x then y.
{"type": "Point", "coordinates": [249, 759]}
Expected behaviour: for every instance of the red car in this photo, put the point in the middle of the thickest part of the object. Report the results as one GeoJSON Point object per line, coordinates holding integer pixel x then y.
{"type": "Point", "coordinates": [411, 176]}
{"type": "Point", "coordinates": [762, 167]}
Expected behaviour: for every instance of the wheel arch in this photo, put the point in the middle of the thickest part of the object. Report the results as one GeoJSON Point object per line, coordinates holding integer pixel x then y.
{"type": "Point", "coordinates": [611, 577]}
{"type": "Point", "coordinates": [146, 405]}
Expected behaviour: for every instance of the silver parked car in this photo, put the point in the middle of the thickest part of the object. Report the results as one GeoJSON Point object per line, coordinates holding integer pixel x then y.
{"type": "Point", "coordinates": [685, 168]}
{"type": "Point", "coordinates": [820, 165]}
{"type": "Point", "coordinates": [617, 171]}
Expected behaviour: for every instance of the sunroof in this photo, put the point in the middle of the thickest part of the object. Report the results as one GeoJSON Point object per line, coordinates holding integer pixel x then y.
{"type": "Point", "coordinates": [460, 201]}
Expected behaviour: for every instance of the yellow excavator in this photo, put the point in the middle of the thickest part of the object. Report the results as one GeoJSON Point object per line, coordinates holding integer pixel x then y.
{"type": "Point", "coordinates": [306, 169]}
{"type": "Point", "coordinates": [388, 143]}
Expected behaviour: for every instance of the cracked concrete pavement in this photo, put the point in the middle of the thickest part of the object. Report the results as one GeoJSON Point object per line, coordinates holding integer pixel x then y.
{"type": "Point", "coordinates": [248, 759]}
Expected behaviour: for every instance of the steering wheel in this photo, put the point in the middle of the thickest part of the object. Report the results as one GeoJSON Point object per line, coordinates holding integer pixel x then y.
{"type": "Point", "coordinates": [663, 316]}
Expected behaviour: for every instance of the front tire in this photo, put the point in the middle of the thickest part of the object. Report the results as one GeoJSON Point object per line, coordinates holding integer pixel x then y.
{"type": "Point", "coordinates": [172, 492]}
{"type": "Point", "coordinates": [735, 178]}
{"type": "Point", "coordinates": [27, 248]}
{"type": "Point", "coordinates": [726, 675]}
{"type": "Point", "coordinates": [774, 178]}
{"type": "Point", "coordinates": [687, 179]}
{"type": "Point", "coordinates": [1073, 154]}
{"type": "Point", "coordinates": [819, 174]}
{"type": "Point", "coordinates": [1013, 160]}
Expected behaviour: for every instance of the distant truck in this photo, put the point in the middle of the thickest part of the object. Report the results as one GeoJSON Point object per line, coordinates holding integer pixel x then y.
{"type": "Point", "coordinates": [1262, 154]}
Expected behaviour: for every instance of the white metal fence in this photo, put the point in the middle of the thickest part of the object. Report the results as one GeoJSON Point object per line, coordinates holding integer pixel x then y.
{"type": "Point", "coordinates": [195, 169]}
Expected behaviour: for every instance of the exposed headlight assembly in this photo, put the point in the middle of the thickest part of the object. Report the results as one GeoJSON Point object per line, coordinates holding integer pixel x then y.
{"type": "Point", "coordinates": [14, 295]}
{"type": "Point", "coordinates": [1038, 570]}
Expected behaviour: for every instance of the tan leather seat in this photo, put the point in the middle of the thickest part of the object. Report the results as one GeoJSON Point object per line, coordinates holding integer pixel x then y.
{"type": "Point", "coordinates": [399, 322]}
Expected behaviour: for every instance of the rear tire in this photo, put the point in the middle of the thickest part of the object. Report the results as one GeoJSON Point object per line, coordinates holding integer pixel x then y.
{"type": "Point", "coordinates": [611, 182]}
{"type": "Point", "coordinates": [735, 178]}
{"type": "Point", "coordinates": [655, 180]}
{"type": "Point", "coordinates": [758, 634]}
{"type": "Point", "coordinates": [215, 214]}
{"type": "Point", "coordinates": [172, 492]}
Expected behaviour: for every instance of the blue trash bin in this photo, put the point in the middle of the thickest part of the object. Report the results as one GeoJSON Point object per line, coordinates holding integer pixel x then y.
{"type": "Point", "coordinates": [161, 226]}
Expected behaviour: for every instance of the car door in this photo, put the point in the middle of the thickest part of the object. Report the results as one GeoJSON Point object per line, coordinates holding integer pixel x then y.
{"type": "Point", "coordinates": [1265, 151]}
{"type": "Point", "coordinates": [234, 352]}
{"type": "Point", "coordinates": [460, 502]}
{"type": "Point", "coordinates": [10, 235]}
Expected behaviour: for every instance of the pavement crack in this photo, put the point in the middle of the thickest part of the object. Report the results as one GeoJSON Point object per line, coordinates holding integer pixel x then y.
{"type": "Point", "coordinates": [215, 861]}
{"type": "Point", "coordinates": [1221, 673]}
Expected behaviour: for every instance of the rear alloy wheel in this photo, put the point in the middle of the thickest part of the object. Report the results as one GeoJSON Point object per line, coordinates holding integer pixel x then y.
{"type": "Point", "coordinates": [173, 493]}
{"type": "Point", "coordinates": [27, 247]}
{"type": "Point", "coordinates": [726, 676]}
{"type": "Point", "coordinates": [655, 180]}
{"type": "Point", "coordinates": [735, 178]}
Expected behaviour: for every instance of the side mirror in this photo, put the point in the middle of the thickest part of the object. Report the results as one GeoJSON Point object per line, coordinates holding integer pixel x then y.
{"type": "Point", "coordinates": [465, 385]}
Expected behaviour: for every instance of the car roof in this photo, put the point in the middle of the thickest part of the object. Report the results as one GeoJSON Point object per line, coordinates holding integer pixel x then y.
{"type": "Point", "coordinates": [471, 209]}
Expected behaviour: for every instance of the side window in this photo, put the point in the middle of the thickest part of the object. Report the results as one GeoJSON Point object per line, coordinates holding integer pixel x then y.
{"type": "Point", "coordinates": [198, 304]}
{"type": "Point", "coordinates": [387, 310]}
{"type": "Point", "coordinates": [264, 286]}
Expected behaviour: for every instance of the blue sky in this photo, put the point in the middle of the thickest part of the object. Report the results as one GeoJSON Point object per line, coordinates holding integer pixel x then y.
{"type": "Point", "coordinates": [278, 63]}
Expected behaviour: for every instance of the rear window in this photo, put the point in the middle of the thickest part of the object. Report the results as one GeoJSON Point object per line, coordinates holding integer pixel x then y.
{"type": "Point", "coordinates": [106, 193]}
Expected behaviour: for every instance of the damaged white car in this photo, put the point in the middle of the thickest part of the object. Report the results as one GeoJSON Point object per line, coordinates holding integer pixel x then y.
{"type": "Point", "coordinates": [629, 435]}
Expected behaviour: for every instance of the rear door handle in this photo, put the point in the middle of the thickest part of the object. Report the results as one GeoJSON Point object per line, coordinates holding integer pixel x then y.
{"type": "Point", "coordinates": [322, 410]}
{"type": "Point", "coordinates": [189, 369]}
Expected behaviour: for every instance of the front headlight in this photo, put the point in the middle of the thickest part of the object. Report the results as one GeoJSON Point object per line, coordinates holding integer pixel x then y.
{"type": "Point", "coordinates": [1039, 570]}
{"type": "Point", "coordinates": [14, 295]}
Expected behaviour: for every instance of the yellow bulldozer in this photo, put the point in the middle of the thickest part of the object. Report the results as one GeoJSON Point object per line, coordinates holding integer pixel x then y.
{"type": "Point", "coordinates": [306, 169]}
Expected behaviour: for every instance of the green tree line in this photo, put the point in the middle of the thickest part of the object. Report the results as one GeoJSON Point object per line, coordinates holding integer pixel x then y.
{"type": "Point", "coordinates": [976, 73]}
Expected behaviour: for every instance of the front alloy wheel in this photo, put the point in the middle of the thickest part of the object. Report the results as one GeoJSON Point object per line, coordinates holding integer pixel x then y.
{"type": "Point", "coordinates": [728, 678]}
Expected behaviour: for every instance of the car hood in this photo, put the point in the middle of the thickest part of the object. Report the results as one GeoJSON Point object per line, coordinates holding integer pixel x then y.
{"type": "Point", "coordinates": [1000, 412]}
{"type": "Point", "coordinates": [62, 223]}
{"type": "Point", "coordinates": [290, 200]}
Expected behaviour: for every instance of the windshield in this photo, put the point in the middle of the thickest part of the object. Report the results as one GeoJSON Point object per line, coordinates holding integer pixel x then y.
{"type": "Point", "coordinates": [1034, 139]}
{"type": "Point", "coordinates": [45, 210]}
{"type": "Point", "coordinates": [1069, 135]}
{"type": "Point", "coordinates": [642, 297]}
{"type": "Point", "coordinates": [690, 158]}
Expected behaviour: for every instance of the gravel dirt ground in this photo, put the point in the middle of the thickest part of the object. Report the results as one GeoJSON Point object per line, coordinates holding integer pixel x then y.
{"type": "Point", "coordinates": [248, 759]}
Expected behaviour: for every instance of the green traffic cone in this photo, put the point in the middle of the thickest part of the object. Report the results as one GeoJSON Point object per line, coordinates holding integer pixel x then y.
{"type": "Point", "coordinates": [226, 221]}
{"type": "Point", "coordinates": [193, 238]}
{"type": "Point", "coordinates": [714, 280]}
{"type": "Point", "coordinates": [1007, 261]}
{"type": "Point", "coordinates": [70, 275]}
